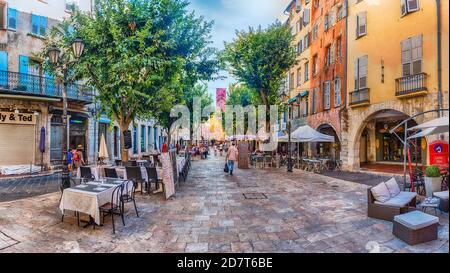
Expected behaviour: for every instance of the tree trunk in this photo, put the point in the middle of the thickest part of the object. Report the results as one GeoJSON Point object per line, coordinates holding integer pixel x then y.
{"type": "Point", "coordinates": [265, 100]}
{"type": "Point", "coordinates": [124, 126]}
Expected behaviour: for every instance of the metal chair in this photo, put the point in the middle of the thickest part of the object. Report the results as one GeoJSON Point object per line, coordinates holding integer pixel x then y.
{"type": "Point", "coordinates": [152, 175]}
{"type": "Point", "coordinates": [111, 173]}
{"type": "Point", "coordinates": [128, 195]}
{"type": "Point", "coordinates": [135, 174]}
{"type": "Point", "coordinates": [86, 174]}
{"type": "Point", "coordinates": [115, 207]}
{"type": "Point", "coordinates": [118, 162]}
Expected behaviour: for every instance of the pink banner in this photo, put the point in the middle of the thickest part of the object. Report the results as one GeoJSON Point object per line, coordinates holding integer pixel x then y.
{"type": "Point", "coordinates": [221, 99]}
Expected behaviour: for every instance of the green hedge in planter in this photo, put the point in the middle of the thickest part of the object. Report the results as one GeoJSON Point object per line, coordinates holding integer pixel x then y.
{"type": "Point", "coordinates": [433, 171]}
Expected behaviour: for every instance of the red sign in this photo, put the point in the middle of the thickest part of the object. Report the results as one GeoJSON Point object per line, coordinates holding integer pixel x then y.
{"type": "Point", "coordinates": [439, 154]}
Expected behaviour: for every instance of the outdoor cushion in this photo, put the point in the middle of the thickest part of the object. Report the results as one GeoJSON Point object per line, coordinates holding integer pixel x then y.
{"type": "Point", "coordinates": [441, 195]}
{"type": "Point", "coordinates": [393, 187]}
{"type": "Point", "coordinates": [416, 220]}
{"type": "Point", "coordinates": [401, 200]}
{"type": "Point", "coordinates": [381, 193]}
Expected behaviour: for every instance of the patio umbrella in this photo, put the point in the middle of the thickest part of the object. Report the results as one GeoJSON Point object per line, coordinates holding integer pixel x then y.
{"type": "Point", "coordinates": [103, 151]}
{"type": "Point", "coordinates": [42, 146]}
{"type": "Point", "coordinates": [439, 125]}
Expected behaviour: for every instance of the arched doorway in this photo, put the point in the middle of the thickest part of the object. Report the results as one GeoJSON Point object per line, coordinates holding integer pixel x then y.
{"type": "Point", "coordinates": [376, 148]}
{"type": "Point", "coordinates": [332, 150]}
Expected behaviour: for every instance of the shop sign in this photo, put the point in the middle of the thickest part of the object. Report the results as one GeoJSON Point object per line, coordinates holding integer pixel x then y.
{"type": "Point", "coordinates": [439, 154]}
{"type": "Point", "coordinates": [20, 118]}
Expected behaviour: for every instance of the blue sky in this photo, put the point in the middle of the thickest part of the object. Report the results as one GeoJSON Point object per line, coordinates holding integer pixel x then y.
{"type": "Point", "coordinates": [231, 15]}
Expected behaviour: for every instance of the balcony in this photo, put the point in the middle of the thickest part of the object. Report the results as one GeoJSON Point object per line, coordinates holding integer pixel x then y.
{"type": "Point", "coordinates": [360, 97]}
{"type": "Point", "coordinates": [32, 85]}
{"type": "Point", "coordinates": [413, 85]}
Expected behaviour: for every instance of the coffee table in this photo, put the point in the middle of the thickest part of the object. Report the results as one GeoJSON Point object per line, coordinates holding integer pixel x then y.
{"type": "Point", "coordinates": [430, 202]}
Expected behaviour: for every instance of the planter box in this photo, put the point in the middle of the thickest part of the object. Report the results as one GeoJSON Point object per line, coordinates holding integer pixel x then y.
{"type": "Point", "coordinates": [432, 184]}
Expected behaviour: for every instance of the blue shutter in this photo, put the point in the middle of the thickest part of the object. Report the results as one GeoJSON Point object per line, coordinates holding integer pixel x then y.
{"type": "Point", "coordinates": [4, 69]}
{"type": "Point", "coordinates": [43, 26]}
{"type": "Point", "coordinates": [35, 22]}
{"type": "Point", "coordinates": [12, 18]}
{"type": "Point", "coordinates": [23, 70]}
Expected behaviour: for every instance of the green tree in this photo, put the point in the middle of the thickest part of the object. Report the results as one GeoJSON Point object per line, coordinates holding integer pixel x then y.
{"type": "Point", "coordinates": [139, 55]}
{"type": "Point", "coordinates": [260, 58]}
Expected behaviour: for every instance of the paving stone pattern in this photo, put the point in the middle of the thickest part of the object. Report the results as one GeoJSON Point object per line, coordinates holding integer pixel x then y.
{"type": "Point", "coordinates": [303, 212]}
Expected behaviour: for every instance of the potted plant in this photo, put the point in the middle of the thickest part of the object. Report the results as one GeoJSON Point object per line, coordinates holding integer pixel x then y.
{"type": "Point", "coordinates": [432, 180]}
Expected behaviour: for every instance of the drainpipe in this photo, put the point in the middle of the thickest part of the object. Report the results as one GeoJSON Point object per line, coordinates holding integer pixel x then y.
{"type": "Point", "coordinates": [439, 53]}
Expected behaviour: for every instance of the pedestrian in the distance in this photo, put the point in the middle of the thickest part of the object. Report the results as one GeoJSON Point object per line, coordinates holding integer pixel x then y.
{"type": "Point", "coordinates": [232, 157]}
{"type": "Point", "coordinates": [77, 158]}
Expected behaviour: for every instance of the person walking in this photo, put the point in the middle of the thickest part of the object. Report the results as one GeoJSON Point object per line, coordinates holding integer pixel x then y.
{"type": "Point", "coordinates": [221, 149]}
{"type": "Point", "coordinates": [232, 157]}
{"type": "Point", "coordinates": [78, 159]}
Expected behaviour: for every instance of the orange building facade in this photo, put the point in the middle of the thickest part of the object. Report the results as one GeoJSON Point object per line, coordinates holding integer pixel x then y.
{"type": "Point", "coordinates": [328, 55]}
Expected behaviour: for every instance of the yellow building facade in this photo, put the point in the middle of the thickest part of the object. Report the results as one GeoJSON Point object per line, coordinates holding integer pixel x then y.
{"type": "Point", "coordinates": [392, 74]}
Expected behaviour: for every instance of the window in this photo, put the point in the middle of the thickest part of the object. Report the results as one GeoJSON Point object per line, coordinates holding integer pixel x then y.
{"type": "Point", "coordinates": [339, 48]}
{"type": "Point", "coordinates": [306, 41]}
{"type": "Point", "coordinates": [3, 15]}
{"type": "Point", "coordinates": [299, 77]}
{"type": "Point", "coordinates": [337, 92]}
{"type": "Point", "coordinates": [300, 47]}
{"type": "Point", "coordinates": [361, 22]}
{"type": "Point", "coordinates": [306, 17]}
{"type": "Point", "coordinates": [315, 68]}
{"type": "Point", "coordinates": [12, 18]}
{"type": "Point", "coordinates": [298, 5]}
{"type": "Point", "coordinates": [38, 24]}
{"type": "Point", "coordinates": [306, 71]}
{"type": "Point", "coordinates": [326, 22]}
{"type": "Point", "coordinates": [409, 6]}
{"type": "Point", "coordinates": [315, 31]}
{"type": "Point", "coordinates": [326, 95]}
{"type": "Point", "coordinates": [304, 107]}
{"type": "Point", "coordinates": [314, 100]}
{"type": "Point", "coordinates": [143, 134]}
{"type": "Point", "coordinates": [412, 55]}
{"type": "Point", "coordinates": [361, 73]}
{"type": "Point", "coordinates": [291, 81]}
{"type": "Point", "coordinates": [328, 56]}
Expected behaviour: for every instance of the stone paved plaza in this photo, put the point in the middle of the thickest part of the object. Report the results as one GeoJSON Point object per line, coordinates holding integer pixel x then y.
{"type": "Point", "coordinates": [213, 212]}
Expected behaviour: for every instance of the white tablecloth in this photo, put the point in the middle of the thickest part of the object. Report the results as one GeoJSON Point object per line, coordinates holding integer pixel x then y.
{"type": "Point", "coordinates": [77, 199]}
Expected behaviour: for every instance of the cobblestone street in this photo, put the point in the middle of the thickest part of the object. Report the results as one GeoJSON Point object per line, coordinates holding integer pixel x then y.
{"type": "Point", "coordinates": [253, 211]}
{"type": "Point", "coordinates": [17, 188]}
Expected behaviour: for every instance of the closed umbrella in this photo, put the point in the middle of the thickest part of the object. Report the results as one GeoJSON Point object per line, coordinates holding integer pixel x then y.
{"type": "Point", "coordinates": [42, 146]}
{"type": "Point", "coordinates": [103, 151]}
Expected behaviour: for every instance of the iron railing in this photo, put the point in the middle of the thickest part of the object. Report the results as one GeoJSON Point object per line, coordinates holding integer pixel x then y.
{"type": "Point", "coordinates": [27, 84]}
{"type": "Point", "coordinates": [411, 84]}
{"type": "Point", "coordinates": [360, 96]}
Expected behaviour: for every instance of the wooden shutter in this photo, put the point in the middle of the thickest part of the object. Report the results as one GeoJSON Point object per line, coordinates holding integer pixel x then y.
{"type": "Point", "coordinates": [356, 74]}
{"type": "Point", "coordinates": [403, 7]}
{"type": "Point", "coordinates": [362, 24]}
{"type": "Point", "coordinates": [333, 53]}
{"type": "Point", "coordinates": [406, 57]}
{"type": "Point", "coordinates": [12, 18]}
{"type": "Point", "coordinates": [35, 22]}
{"type": "Point", "coordinates": [363, 62]}
{"type": "Point", "coordinates": [413, 5]}
{"type": "Point", "coordinates": [42, 26]}
{"type": "Point", "coordinates": [416, 54]}
{"type": "Point", "coordinates": [337, 92]}
{"type": "Point", "coordinates": [306, 17]}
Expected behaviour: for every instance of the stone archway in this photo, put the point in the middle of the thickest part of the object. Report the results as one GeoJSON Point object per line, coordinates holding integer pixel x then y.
{"type": "Point", "coordinates": [329, 149]}
{"type": "Point", "coordinates": [367, 121]}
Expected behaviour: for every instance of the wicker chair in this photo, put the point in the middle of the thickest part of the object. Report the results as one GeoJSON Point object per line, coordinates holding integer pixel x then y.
{"type": "Point", "coordinates": [386, 212]}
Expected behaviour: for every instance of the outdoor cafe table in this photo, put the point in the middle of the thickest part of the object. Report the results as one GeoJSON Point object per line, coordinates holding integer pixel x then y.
{"type": "Point", "coordinates": [87, 199]}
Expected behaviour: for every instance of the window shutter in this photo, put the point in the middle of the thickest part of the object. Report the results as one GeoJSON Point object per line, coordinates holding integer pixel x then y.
{"type": "Point", "coordinates": [337, 92]}
{"type": "Point", "coordinates": [363, 62]}
{"type": "Point", "coordinates": [362, 23]}
{"type": "Point", "coordinates": [356, 74]}
{"type": "Point", "coordinates": [12, 18]}
{"type": "Point", "coordinates": [416, 54]}
{"type": "Point", "coordinates": [298, 5]}
{"type": "Point", "coordinates": [403, 7]}
{"type": "Point", "coordinates": [333, 53]}
{"type": "Point", "coordinates": [35, 22]}
{"type": "Point", "coordinates": [413, 5]}
{"type": "Point", "coordinates": [306, 17]}
{"type": "Point", "coordinates": [43, 26]}
{"type": "Point", "coordinates": [406, 57]}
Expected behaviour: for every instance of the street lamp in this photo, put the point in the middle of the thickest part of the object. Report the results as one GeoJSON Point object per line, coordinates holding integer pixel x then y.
{"type": "Point", "coordinates": [63, 67]}
{"type": "Point", "coordinates": [289, 161]}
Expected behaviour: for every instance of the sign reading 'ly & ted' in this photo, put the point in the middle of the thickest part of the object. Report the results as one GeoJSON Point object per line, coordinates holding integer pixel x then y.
{"type": "Point", "coordinates": [20, 118]}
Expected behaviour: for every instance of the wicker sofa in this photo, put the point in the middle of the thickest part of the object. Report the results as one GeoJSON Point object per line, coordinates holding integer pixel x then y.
{"type": "Point", "coordinates": [400, 204]}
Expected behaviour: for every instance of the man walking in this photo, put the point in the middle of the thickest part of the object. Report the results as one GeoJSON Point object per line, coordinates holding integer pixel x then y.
{"type": "Point", "coordinates": [231, 158]}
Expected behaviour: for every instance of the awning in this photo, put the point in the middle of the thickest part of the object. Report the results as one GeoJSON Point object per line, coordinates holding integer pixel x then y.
{"type": "Point", "coordinates": [304, 94]}
{"type": "Point", "coordinates": [439, 125]}
{"type": "Point", "coordinates": [424, 133]}
{"type": "Point", "coordinates": [308, 134]}
{"type": "Point", "coordinates": [292, 100]}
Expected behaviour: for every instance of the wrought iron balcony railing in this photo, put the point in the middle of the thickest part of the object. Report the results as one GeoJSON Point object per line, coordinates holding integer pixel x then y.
{"type": "Point", "coordinates": [360, 96]}
{"type": "Point", "coordinates": [27, 84]}
{"type": "Point", "coordinates": [411, 84]}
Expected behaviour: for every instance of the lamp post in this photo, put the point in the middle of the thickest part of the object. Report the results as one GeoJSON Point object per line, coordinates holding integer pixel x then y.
{"type": "Point", "coordinates": [63, 66]}
{"type": "Point", "coordinates": [289, 160]}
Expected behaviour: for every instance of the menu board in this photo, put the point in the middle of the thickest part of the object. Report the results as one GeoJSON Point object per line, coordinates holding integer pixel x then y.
{"type": "Point", "coordinates": [243, 155]}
